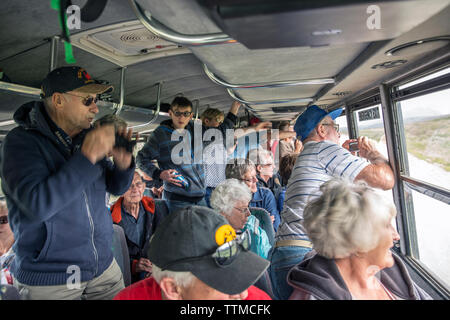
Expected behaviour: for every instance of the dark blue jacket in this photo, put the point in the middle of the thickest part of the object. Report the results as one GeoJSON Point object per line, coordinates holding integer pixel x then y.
{"type": "Point", "coordinates": [264, 198]}
{"type": "Point", "coordinates": [56, 203]}
{"type": "Point", "coordinates": [161, 148]}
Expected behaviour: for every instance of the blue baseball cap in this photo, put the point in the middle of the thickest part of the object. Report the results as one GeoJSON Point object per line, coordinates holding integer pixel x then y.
{"type": "Point", "coordinates": [309, 119]}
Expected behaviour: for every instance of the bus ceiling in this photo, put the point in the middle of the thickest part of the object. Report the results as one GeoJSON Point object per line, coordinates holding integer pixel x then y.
{"type": "Point", "coordinates": [275, 57]}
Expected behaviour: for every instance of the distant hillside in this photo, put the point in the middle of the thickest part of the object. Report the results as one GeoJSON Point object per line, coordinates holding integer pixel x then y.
{"type": "Point", "coordinates": [428, 140]}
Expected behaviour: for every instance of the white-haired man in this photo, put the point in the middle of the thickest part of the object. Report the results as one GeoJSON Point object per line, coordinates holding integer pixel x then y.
{"type": "Point", "coordinates": [322, 159]}
{"type": "Point", "coordinates": [197, 255]}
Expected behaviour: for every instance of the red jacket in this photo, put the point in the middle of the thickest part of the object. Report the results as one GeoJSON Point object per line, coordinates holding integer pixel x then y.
{"type": "Point", "coordinates": [148, 289]}
{"type": "Point", "coordinates": [151, 223]}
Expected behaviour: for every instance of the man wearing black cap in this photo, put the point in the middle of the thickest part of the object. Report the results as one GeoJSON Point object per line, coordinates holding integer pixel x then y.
{"type": "Point", "coordinates": [322, 159]}
{"type": "Point", "coordinates": [197, 255]}
{"type": "Point", "coordinates": [55, 176]}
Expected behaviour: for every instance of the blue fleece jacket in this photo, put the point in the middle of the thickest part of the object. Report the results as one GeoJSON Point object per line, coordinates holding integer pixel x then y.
{"type": "Point", "coordinates": [264, 198]}
{"type": "Point", "coordinates": [56, 201]}
{"type": "Point", "coordinates": [162, 148]}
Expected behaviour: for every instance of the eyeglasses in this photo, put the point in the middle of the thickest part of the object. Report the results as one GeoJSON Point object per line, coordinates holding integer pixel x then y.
{"type": "Point", "coordinates": [251, 180]}
{"type": "Point", "coordinates": [179, 113]}
{"type": "Point", "coordinates": [242, 210]}
{"type": "Point", "coordinates": [87, 101]}
{"type": "Point", "coordinates": [335, 126]}
{"type": "Point", "coordinates": [226, 253]}
{"type": "Point", "coordinates": [4, 220]}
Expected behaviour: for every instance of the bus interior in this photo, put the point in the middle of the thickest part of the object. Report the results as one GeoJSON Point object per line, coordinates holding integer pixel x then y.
{"type": "Point", "coordinates": [386, 63]}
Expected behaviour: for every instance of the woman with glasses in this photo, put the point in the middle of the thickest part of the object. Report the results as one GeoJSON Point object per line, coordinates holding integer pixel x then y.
{"type": "Point", "coordinates": [245, 171]}
{"type": "Point", "coordinates": [6, 243]}
{"type": "Point", "coordinates": [231, 199]}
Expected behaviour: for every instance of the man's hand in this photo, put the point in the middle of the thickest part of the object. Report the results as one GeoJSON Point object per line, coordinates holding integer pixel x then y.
{"type": "Point", "coordinates": [121, 157]}
{"type": "Point", "coordinates": [235, 107]}
{"type": "Point", "coordinates": [158, 191]}
{"type": "Point", "coordinates": [98, 143]}
{"type": "Point", "coordinates": [263, 126]}
{"type": "Point", "coordinates": [169, 175]}
{"type": "Point", "coordinates": [368, 150]}
{"type": "Point", "coordinates": [298, 146]}
{"type": "Point", "coordinates": [144, 264]}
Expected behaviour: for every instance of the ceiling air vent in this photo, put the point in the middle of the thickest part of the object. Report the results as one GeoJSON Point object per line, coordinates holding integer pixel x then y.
{"type": "Point", "coordinates": [125, 43]}
{"type": "Point", "coordinates": [290, 109]}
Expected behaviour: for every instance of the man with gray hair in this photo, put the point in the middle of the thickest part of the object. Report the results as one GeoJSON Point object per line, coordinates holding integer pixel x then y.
{"type": "Point", "coordinates": [197, 255]}
{"type": "Point", "coordinates": [321, 159]}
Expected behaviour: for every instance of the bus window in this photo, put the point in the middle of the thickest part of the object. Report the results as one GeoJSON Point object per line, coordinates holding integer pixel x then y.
{"type": "Point", "coordinates": [343, 129]}
{"type": "Point", "coordinates": [369, 123]}
{"type": "Point", "coordinates": [432, 222]}
{"type": "Point", "coordinates": [426, 130]}
{"type": "Point", "coordinates": [426, 121]}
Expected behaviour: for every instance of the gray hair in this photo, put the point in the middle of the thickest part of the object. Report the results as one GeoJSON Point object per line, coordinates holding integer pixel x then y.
{"type": "Point", "coordinates": [182, 278]}
{"type": "Point", "coordinates": [259, 156]}
{"type": "Point", "coordinates": [347, 218]}
{"type": "Point", "coordinates": [238, 168]}
{"type": "Point", "coordinates": [227, 193]}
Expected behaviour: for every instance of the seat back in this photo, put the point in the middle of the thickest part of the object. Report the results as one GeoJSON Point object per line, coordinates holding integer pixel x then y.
{"type": "Point", "coordinates": [162, 208]}
{"type": "Point", "coordinates": [265, 284]}
{"type": "Point", "coordinates": [120, 251]}
{"type": "Point", "coordinates": [264, 222]}
{"type": "Point", "coordinates": [9, 292]}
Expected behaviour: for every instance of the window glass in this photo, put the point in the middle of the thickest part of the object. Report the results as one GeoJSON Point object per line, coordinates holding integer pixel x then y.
{"type": "Point", "coordinates": [432, 219]}
{"type": "Point", "coordinates": [423, 79]}
{"type": "Point", "coordinates": [426, 121]}
{"type": "Point", "coordinates": [369, 123]}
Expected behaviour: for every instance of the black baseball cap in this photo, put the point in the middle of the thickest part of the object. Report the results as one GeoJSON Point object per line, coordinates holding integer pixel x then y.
{"type": "Point", "coordinates": [73, 78]}
{"type": "Point", "coordinates": [186, 241]}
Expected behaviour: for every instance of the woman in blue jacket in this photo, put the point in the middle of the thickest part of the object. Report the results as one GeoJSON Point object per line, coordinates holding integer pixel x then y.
{"type": "Point", "coordinates": [244, 170]}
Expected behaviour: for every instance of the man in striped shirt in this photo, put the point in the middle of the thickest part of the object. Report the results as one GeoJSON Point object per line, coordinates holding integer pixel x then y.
{"type": "Point", "coordinates": [321, 159]}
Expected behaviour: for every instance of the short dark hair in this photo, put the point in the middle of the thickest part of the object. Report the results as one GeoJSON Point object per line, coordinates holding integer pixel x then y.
{"type": "Point", "coordinates": [284, 125]}
{"type": "Point", "coordinates": [287, 162]}
{"type": "Point", "coordinates": [181, 102]}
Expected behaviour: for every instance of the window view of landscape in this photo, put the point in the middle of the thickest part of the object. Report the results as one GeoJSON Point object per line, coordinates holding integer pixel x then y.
{"type": "Point", "coordinates": [426, 121]}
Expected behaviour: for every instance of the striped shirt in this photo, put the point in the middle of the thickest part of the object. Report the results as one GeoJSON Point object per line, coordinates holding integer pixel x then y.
{"type": "Point", "coordinates": [316, 164]}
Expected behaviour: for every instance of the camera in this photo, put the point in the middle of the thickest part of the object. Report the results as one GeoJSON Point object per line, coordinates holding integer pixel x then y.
{"type": "Point", "coordinates": [353, 146]}
{"type": "Point", "coordinates": [122, 142]}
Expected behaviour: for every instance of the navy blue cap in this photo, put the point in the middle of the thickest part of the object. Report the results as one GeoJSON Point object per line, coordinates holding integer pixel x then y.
{"type": "Point", "coordinates": [309, 119]}
{"type": "Point", "coordinates": [72, 78]}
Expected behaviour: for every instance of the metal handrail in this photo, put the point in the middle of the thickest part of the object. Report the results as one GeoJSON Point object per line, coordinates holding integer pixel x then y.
{"type": "Point", "coordinates": [158, 107]}
{"type": "Point", "coordinates": [168, 34]}
{"type": "Point", "coordinates": [236, 97]}
{"type": "Point", "coordinates": [275, 84]}
{"type": "Point", "coordinates": [119, 106]}
{"type": "Point", "coordinates": [17, 88]}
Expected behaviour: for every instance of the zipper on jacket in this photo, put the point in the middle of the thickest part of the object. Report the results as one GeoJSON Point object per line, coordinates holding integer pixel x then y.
{"type": "Point", "coordinates": [91, 223]}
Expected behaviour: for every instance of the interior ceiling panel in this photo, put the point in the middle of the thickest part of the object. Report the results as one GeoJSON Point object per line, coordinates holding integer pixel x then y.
{"type": "Point", "coordinates": [26, 24]}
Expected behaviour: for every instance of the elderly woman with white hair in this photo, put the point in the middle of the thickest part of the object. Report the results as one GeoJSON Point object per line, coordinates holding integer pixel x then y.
{"type": "Point", "coordinates": [231, 199]}
{"type": "Point", "coordinates": [350, 226]}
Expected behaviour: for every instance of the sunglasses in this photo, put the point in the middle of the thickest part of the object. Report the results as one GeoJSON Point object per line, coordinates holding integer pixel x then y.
{"type": "Point", "coordinates": [4, 220]}
{"type": "Point", "coordinates": [224, 255]}
{"type": "Point", "coordinates": [179, 113]}
{"type": "Point", "coordinates": [87, 101]}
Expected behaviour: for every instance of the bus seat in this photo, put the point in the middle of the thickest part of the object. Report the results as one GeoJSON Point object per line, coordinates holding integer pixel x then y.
{"type": "Point", "coordinates": [162, 208]}
{"type": "Point", "coordinates": [9, 292]}
{"type": "Point", "coordinates": [265, 222]}
{"type": "Point", "coordinates": [120, 251]}
{"type": "Point", "coordinates": [265, 284]}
